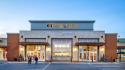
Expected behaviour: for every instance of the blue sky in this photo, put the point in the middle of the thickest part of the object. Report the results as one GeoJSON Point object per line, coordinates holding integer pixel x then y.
{"type": "Point", "coordinates": [108, 14]}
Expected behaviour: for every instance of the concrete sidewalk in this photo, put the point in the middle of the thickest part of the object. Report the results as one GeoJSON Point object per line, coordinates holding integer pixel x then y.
{"type": "Point", "coordinates": [3, 62]}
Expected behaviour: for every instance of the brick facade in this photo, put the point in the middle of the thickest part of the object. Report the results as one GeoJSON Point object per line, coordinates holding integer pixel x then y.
{"type": "Point", "coordinates": [110, 46]}
{"type": "Point", "coordinates": [12, 46]}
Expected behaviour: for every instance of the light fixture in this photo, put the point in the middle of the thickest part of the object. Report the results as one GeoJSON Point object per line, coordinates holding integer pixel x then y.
{"type": "Point", "coordinates": [21, 48]}
{"type": "Point", "coordinates": [102, 49]}
{"type": "Point", "coordinates": [48, 36]}
{"type": "Point", "coordinates": [48, 49]}
{"type": "Point", "coordinates": [101, 36]}
{"type": "Point", "coordinates": [74, 49]}
{"type": "Point", "coordinates": [21, 36]}
{"type": "Point", "coordinates": [75, 36]}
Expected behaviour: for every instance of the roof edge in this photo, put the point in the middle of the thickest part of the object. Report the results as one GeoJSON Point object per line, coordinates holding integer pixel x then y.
{"type": "Point", "coordinates": [111, 33]}
{"type": "Point", "coordinates": [62, 21]}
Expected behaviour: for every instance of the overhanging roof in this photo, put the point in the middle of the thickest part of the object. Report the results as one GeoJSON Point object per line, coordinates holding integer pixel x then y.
{"type": "Point", "coordinates": [33, 43]}
{"type": "Point", "coordinates": [1, 46]}
{"type": "Point", "coordinates": [90, 43]}
{"type": "Point", "coordinates": [121, 40]}
{"type": "Point", "coordinates": [61, 21]}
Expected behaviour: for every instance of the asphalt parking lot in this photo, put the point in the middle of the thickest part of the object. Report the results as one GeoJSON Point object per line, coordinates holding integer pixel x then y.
{"type": "Point", "coordinates": [62, 66]}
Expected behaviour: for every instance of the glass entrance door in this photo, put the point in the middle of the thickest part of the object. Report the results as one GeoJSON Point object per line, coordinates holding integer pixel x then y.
{"type": "Point", "coordinates": [87, 53]}
{"type": "Point", "coordinates": [82, 54]}
{"type": "Point", "coordinates": [92, 56]}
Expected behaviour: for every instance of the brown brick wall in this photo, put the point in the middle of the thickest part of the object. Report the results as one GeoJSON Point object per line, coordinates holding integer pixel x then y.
{"type": "Point", "coordinates": [110, 46]}
{"type": "Point", "coordinates": [12, 46]}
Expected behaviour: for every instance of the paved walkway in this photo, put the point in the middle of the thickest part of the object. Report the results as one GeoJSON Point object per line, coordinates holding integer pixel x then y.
{"type": "Point", "coordinates": [61, 66]}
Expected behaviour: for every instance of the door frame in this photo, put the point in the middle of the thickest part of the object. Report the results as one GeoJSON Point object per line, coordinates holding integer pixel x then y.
{"type": "Point", "coordinates": [44, 53]}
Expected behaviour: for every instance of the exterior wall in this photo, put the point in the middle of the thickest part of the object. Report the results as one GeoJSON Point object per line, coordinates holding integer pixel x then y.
{"type": "Point", "coordinates": [12, 46]}
{"type": "Point", "coordinates": [40, 29]}
{"type": "Point", "coordinates": [63, 34]}
{"type": "Point", "coordinates": [73, 34]}
{"type": "Point", "coordinates": [110, 46]}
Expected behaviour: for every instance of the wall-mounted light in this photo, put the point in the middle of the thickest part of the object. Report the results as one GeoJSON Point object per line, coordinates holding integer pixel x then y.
{"type": "Point", "coordinates": [101, 36]}
{"type": "Point", "coordinates": [102, 49]}
{"type": "Point", "coordinates": [21, 48]}
{"type": "Point", "coordinates": [48, 49]}
{"type": "Point", "coordinates": [48, 36]}
{"type": "Point", "coordinates": [74, 49]}
{"type": "Point", "coordinates": [75, 36]}
{"type": "Point", "coordinates": [21, 36]}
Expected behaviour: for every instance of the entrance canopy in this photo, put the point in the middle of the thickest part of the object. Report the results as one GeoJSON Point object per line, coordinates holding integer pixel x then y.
{"type": "Point", "coordinates": [3, 46]}
{"type": "Point", "coordinates": [90, 43]}
{"type": "Point", "coordinates": [34, 43]}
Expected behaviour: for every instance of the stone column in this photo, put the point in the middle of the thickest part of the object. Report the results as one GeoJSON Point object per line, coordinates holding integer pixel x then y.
{"type": "Point", "coordinates": [98, 53]}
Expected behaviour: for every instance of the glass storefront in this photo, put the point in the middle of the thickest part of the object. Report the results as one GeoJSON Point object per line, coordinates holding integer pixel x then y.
{"type": "Point", "coordinates": [36, 50]}
{"type": "Point", "coordinates": [1, 54]}
{"type": "Point", "coordinates": [87, 53]}
{"type": "Point", "coordinates": [62, 49]}
{"type": "Point", "coordinates": [121, 54]}
{"type": "Point", "coordinates": [33, 50]}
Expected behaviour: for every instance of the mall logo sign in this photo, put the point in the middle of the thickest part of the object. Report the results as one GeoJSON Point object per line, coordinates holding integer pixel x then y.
{"type": "Point", "coordinates": [69, 26]}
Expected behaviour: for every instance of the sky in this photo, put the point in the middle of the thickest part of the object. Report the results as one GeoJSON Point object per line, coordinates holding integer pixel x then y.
{"type": "Point", "coordinates": [109, 15]}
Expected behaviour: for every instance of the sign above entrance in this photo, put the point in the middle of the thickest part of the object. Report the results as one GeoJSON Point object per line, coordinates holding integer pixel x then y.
{"type": "Point", "coordinates": [71, 25]}
{"type": "Point", "coordinates": [40, 25]}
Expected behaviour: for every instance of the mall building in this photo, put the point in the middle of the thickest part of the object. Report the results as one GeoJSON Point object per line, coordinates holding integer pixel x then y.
{"type": "Point", "coordinates": [63, 40]}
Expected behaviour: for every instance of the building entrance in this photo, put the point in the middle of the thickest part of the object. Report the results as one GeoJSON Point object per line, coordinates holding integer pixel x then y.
{"type": "Point", "coordinates": [87, 53]}
{"type": "Point", "coordinates": [36, 50]}
{"type": "Point", "coordinates": [61, 49]}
